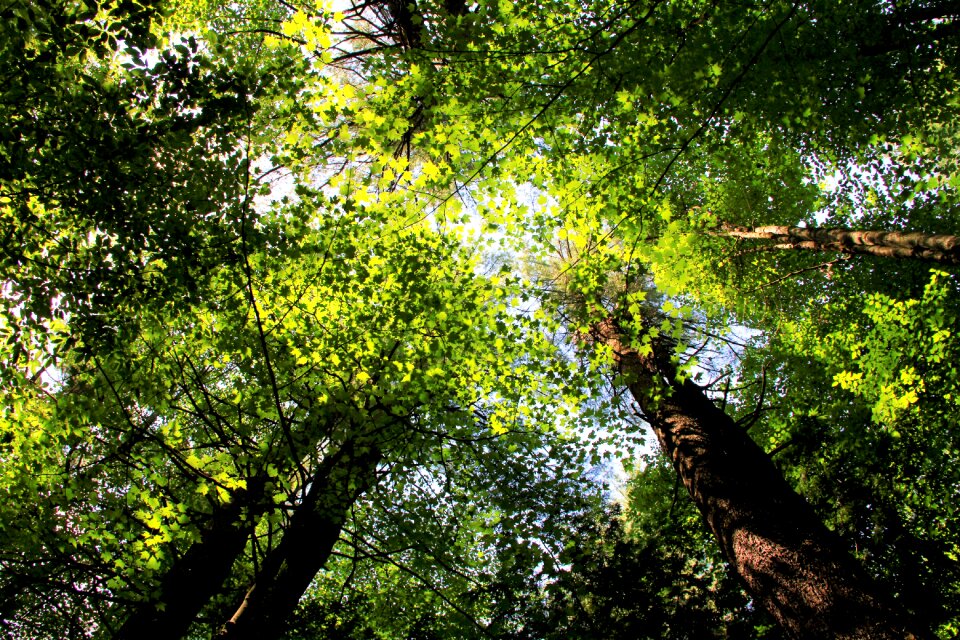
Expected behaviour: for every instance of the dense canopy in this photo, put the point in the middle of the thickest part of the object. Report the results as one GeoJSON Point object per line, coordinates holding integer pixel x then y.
{"type": "Point", "coordinates": [421, 319]}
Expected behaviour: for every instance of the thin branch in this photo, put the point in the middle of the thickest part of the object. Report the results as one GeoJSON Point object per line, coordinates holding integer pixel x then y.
{"type": "Point", "coordinates": [792, 274]}
{"type": "Point", "coordinates": [750, 419]}
{"type": "Point", "coordinates": [248, 274]}
{"type": "Point", "coordinates": [380, 555]}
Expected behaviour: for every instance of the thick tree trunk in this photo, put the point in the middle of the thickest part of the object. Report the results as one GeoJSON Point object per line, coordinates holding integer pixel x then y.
{"type": "Point", "coordinates": [200, 572]}
{"type": "Point", "coordinates": [885, 244]}
{"type": "Point", "coordinates": [306, 545]}
{"type": "Point", "coordinates": [791, 563]}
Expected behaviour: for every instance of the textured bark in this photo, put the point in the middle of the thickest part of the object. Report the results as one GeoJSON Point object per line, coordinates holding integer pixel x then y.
{"type": "Point", "coordinates": [885, 244]}
{"type": "Point", "coordinates": [288, 569]}
{"type": "Point", "coordinates": [790, 562]}
{"type": "Point", "coordinates": [200, 572]}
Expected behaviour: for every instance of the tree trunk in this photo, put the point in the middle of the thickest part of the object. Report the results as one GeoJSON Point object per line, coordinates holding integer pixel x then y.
{"type": "Point", "coordinates": [307, 543]}
{"type": "Point", "coordinates": [200, 573]}
{"type": "Point", "coordinates": [885, 244]}
{"type": "Point", "coordinates": [791, 563]}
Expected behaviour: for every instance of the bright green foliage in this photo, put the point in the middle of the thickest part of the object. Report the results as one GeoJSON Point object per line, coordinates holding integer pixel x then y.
{"type": "Point", "coordinates": [239, 236]}
{"type": "Point", "coordinates": [88, 115]}
{"type": "Point", "coordinates": [266, 333]}
{"type": "Point", "coordinates": [354, 325]}
{"type": "Point", "coordinates": [904, 351]}
{"type": "Point", "coordinates": [651, 123]}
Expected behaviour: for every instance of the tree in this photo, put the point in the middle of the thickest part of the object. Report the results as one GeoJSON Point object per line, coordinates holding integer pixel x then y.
{"type": "Point", "coordinates": [194, 359]}
{"type": "Point", "coordinates": [627, 180]}
{"type": "Point", "coordinates": [789, 561]}
{"type": "Point", "coordinates": [865, 433]}
{"type": "Point", "coordinates": [214, 426]}
{"type": "Point", "coordinates": [307, 542]}
{"type": "Point", "coordinates": [885, 244]}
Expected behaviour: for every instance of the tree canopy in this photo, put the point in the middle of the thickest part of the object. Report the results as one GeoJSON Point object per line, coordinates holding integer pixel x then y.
{"type": "Point", "coordinates": [347, 319]}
